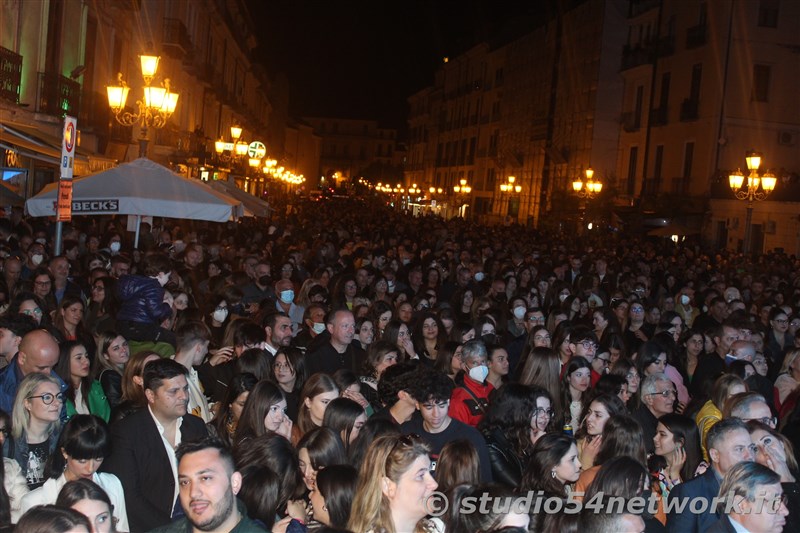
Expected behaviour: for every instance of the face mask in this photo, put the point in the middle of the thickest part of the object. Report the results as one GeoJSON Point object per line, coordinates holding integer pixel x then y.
{"type": "Point", "coordinates": [519, 312]}
{"type": "Point", "coordinates": [489, 338]}
{"type": "Point", "coordinates": [115, 246]}
{"type": "Point", "coordinates": [287, 297]}
{"type": "Point", "coordinates": [479, 373]}
{"type": "Point", "coordinates": [390, 284]}
{"type": "Point", "coordinates": [479, 276]}
{"type": "Point", "coordinates": [220, 315]}
{"type": "Point", "coordinates": [406, 261]}
{"type": "Point", "coordinates": [684, 299]}
{"type": "Point", "coordinates": [730, 358]}
{"type": "Point", "coordinates": [42, 241]}
{"type": "Point", "coordinates": [264, 281]}
{"type": "Point", "coordinates": [562, 297]}
{"type": "Point", "coordinates": [36, 259]}
{"type": "Point", "coordinates": [318, 327]}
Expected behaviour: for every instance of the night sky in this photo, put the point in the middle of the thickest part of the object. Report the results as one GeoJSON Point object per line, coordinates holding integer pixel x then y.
{"type": "Point", "coordinates": [362, 59]}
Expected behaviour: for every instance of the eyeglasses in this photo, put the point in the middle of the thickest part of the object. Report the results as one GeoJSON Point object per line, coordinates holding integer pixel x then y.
{"type": "Point", "coordinates": [221, 308]}
{"type": "Point", "coordinates": [48, 398]}
{"type": "Point", "coordinates": [665, 394]}
{"type": "Point", "coordinates": [42, 283]}
{"type": "Point", "coordinates": [283, 366]}
{"type": "Point", "coordinates": [30, 312]}
{"type": "Point", "coordinates": [541, 411]}
{"type": "Point", "coordinates": [767, 421]}
{"type": "Point", "coordinates": [782, 320]}
{"type": "Point", "coordinates": [536, 319]}
{"type": "Point", "coordinates": [98, 288]}
{"type": "Point", "coordinates": [589, 345]}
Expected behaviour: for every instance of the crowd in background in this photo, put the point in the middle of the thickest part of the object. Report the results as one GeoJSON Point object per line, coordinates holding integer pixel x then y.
{"type": "Point", "coordinates": [346, 361]}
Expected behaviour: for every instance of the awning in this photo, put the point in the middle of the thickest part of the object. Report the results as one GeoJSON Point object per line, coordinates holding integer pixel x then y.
{"type": "Point", "coordinates": [33, 143]}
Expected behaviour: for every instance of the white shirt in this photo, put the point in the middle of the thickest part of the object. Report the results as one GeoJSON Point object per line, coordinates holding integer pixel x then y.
{"type": "Point", "coordinates": [80, 405]}
{"type": "Point", "coordinates": [173, 461]}
{"type": "Point", "coordinates": [48, 493]}
{"type": "Point", "coordinates": [737, 526]}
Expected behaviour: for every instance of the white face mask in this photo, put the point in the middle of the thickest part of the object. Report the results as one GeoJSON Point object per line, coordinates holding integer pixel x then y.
{"type": "Point", "coordinates": [42, 241]}
{"type": "Point", "coordinates": [479, 276]}
{"type": "Point", "coordinates": [287, 297]}
{"type": "Point", "coordinates": [37, 259]}
{"type": "Point", "coordinates": [562, 297]}
{"type": "Point", "coordinates": [162, 278]}
{"type": "Point", "coordinates": [519, 312]}
{"type": "Point", "coordinates": [479, 373]}
{"type": "Point", "coordinates": [684, 299]}
{"type": "Point", "coordinates": [220, 315]}
{"type": "Point", "coordinates": [318, 327]}
{"type": "Point", "coordinates": [115, 246]}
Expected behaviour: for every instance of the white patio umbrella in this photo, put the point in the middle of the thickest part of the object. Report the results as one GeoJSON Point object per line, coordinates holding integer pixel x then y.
{"type": "Point", "coordinates": [143, 188]}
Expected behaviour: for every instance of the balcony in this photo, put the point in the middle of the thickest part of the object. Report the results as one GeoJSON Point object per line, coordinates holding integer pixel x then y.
{"type": "Point", "coordinates": [637, 7]}
{"type": "Point", "coordinates": [696, 36]}
{"type": "Point", "coordinates": [634, 57]}
{"type": "Point", "coordinates": [689, 110]}
{"type": "Point", "coordinates": [176, 40]}
{"type": "Point", "coordinates": [57, 95]}
{"type": "Point", "coordinates": [631, 121]}
{"type": "Point", "coordinates": [10, 75]}
{"type": "Point", "coordinates": [659, 116]}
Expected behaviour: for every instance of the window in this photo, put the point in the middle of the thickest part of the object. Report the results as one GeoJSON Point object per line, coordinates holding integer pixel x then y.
{"type": "Point", "coordinates": [632, 162]}
{"type": "Point", "coordinates": [659, 163]}
{"type": "Point", "coordinates": [697, 76]}
{"type": "Point", "coordinates": [761, 75]}
{"type": "Point", "coordinates": [637, 113]}
{"type": "Point", "coordinates": [768, 13]}
{"type": "Point", "coordinates": [688, 156]}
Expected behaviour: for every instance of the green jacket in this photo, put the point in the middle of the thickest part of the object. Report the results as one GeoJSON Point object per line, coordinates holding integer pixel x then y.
{"type": "Point", "coordinates": [97, 402]}
{"type": "Point", "coordinates": [245, 525]}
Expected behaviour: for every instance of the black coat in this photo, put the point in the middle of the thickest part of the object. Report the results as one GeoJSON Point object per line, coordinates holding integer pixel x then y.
{"type": "Point", "coordinates": [506, 464]}
{"type": "Point", "coordinates": [138, 458]}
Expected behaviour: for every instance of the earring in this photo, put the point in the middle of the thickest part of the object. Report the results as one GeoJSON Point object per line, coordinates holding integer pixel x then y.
{"type": "Point", "coordinates": [325, 508]}
{"type": "Point", "coordinates": [553, 474]}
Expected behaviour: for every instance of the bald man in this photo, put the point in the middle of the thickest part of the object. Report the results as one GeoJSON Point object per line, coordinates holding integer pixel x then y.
{"type": "Point", "coordinates": [38, 352]}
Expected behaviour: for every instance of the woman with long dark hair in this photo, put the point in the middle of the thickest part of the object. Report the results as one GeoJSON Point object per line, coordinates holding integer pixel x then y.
{"type": "Point", "coordinates": [506, 426]}
{"type": "Point", "coordinates": [84, 395]}
{"type": "Point", "coordinates": [553, 466]}
{"type": "Point", "coordinates": [229, 411]}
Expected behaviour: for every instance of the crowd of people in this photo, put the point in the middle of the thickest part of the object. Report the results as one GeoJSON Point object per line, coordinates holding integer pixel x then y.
{"type": "Point", "coordinates": [347, 367]}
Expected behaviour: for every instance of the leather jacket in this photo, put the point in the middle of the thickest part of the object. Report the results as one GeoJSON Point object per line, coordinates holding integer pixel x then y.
{"type": "Point", "coordinates": [506, 465]}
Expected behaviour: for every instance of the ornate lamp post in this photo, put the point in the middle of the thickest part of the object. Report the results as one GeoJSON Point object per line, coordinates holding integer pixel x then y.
{"type": "Point", "coordinates": [756, 190]}
{"type": "Point", "coordinates": [510, 189]}
{"type": "Point", "coordinates": [462, 190]}
{"type": "Point", "coordinates": [153, 110]}
{"type": "Point", "coordinates": [590, 189]}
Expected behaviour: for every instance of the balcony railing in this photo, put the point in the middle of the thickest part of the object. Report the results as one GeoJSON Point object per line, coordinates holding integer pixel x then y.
{"type": "Point", "coordinates": [631, 121]}
{"type": "Point", "coordinates": [176, 40]}
{"type": "Point", "coordinates": [634, 57]}
{"type": "Point", "coordinates": [689, 110]}
{"type": "Point", "coordinates": [10, 74]}
{"type": "Point", "coordinates": [658, 116]}
{"type": "Point", "coordinates": [58, 95]}
{"type": "Point", "coordinates": [696, 36]}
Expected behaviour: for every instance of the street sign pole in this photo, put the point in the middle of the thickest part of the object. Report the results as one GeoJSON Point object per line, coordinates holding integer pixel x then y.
{"type": "Point", "coordinates": [64, 201]}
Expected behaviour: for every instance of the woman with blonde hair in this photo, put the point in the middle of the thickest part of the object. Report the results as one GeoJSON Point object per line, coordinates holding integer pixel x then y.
{"type": "Point", "coordinates": [789, 377]}
{"type": "Point", "coordinates": [394, 486]}
{"type": "Point", "coordinates": [35, 423]}
{"type": "Point", "coordinates": [724, 387]}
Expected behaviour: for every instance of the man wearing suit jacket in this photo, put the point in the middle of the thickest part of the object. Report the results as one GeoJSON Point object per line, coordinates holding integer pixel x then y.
{"type": "Point", "coordinates": [759, 505]}
{"type": "Point", "coordinates": [728, 444]}
{"type": "Point", "coordinates": [143, 445]}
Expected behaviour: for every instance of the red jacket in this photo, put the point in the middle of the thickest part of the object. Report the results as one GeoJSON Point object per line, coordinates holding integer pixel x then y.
{"type": "Point", "coordinates": [463, 406]}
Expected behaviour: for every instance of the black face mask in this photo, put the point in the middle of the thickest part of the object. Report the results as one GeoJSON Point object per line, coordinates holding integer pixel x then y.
{"type": "Point", "coordinates": [265, 281]}
{"type": "Point", "coordinates": [489, 338]}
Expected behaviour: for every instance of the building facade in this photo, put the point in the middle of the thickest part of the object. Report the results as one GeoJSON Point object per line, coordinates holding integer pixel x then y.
{"type": "Point", "coordinates": [59, 56]}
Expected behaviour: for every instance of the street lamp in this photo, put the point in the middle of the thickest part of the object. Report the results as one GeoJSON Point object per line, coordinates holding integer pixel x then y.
{"type": "Point", "coordinates": [509, 189]}
{"type": "Point", "coordinates": [756, 190]}
{"type": "Point", "coordinates": [153, 110]}
{"type": "Point", "coordinates": [462, 189]}
{"type": "Point", "coordinates": [591, 187]}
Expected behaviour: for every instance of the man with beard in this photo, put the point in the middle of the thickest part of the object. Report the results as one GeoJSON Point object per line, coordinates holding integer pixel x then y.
{"type": "Point", "coordinates": [209, 484]}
